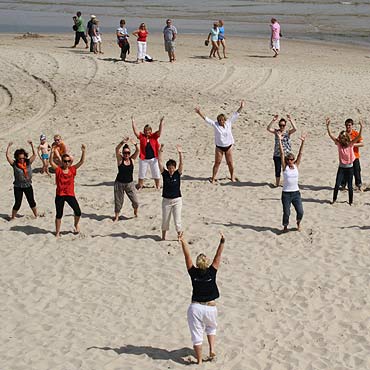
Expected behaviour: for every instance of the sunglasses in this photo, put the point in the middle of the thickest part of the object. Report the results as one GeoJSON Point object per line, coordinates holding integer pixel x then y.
{"type": "Point", "coordinates": [67, 161]}
{"type": "Point", "coordinates": [20, 158]}
{"type": "Point", "coordinates": [290, 159]}
{"type": "Point", "coordinates": [282, 125]}
{"type": "Point", "coordinates": [126, 152]}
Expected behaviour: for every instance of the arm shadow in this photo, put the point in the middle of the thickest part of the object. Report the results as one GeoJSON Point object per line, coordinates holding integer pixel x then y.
{"type": "Point", "coordinates": [104, 183]}
{"type": "Point", "coordinates": [257, 228]}
{"type": "Point", "coordinates": [153, 352]}
{"type": "Point", "coordinates": [124, 235]}
{"type": "Point", "coordinates": [249, 183]}
{"type": "Point", "coordinates": [30, 230]}
{"type": "Point", "coordinates": [312, 200]}
{"type": "Point", "coordinates": [314, 187]}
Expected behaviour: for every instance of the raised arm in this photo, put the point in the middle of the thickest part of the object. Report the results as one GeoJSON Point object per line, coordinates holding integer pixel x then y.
{"type": "Point", "coordinates": [327, 122]}
{"type": "Point", "coordinates": [159, 132]}
{"type": "Point", "coordinates": [181, 162]}
{"type": "Point", "coordinates": [242, 104]}
{"type": "Point", "coordinates": [33, 156]}
{"type": "Point", "coordinates": [358, 137]}
{"type": "Point", "coordinates": [160, 158]}
{"type": "Point", "coordinates": [8, 157]}
{"type": "Point", "coordinates": [217, 259]}
{"type": "Point", "coordinates": [82, 160]}
{"type": "Point", "coordinates": [281, 149]}
{"type": "Point", "coordinates": [197, 110]}
{"type": "Point", "coordinates": [269, 126]}
{"type": "Point", "coordinates": [299, 156]}
{"type": "Point", "coordinates": [118, 148]}
{"type": "Point", "coordinates": [136, 132]}
{"type": "Point", "coordinates": [137, 150]}
{"type": "Point", "coordinates": [185, 250]}
{"type": "Point", "coordinates": [294, 126]}
{"type": "Point", "coordinates": [51, 159]}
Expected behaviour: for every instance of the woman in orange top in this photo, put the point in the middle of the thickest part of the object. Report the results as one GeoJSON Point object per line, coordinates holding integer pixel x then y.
{"type": "Point", "coordinates": [60, 148]}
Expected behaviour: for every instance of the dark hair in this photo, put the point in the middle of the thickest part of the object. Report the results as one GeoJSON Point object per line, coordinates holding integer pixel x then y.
{"type": "Point", "coordinates": [122, 21]}
{"type": "Point", "coordinates": [21, 151]}
{"type": "Point", "coordinates": [125, 147]}
{"type": "Point", "coordinates": [273, 20]}
{"type": "Point", "coordinates": [348, 120]}
{"type": "Point", "coordinates": [171, 162]}
{"type": "Point", "coordinates": [65, 155]}
{"type": "Point", "coordinates": [282, 120]}
{"type": "Point", "coordinates": [78, 14]}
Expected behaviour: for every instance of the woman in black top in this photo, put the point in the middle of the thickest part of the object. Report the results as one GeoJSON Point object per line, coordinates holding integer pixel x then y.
{"type": "Point", "coordinates": [124, 181]}
{"type": "Point", "coordinates": [202, 312]}
{"type": "Point", "coordinates": [22, 178]}
{"type": "Point", "coordinates": [172, 201]}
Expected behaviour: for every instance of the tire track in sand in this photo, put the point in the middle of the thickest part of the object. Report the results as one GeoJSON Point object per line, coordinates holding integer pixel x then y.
{"type": "Point", "coordinates": [6, 97]}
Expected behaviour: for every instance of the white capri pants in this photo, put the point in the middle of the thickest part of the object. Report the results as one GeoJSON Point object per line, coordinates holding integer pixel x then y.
{"type": "Point", "coordinates": [275, 44]}
{"type": "Point", "coordinates": [154, 168]}
{"type": "Point", "coordinates": [141, 50]}
{"type": "Point", "coordinates": [173, 206]}
{"type": "Point", "coordinates": [201, 318]}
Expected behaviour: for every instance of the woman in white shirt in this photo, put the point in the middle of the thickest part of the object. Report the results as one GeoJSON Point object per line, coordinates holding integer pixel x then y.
{"type": "Point", "coordinates": [213, 35]}
{"type": "Point", "coordinates": [224, 140]}
{"type": "Point", "coordinates": [291, 194]}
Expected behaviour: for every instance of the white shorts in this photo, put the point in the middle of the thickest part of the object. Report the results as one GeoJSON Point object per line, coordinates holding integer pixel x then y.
{"type": "Point", "coordinates": [96, 39]}
{"type": "Point", "coordinates": [201, 318]}
{"type": "Point", "coordinates": [275, 44]}
{"type": "Point", "coordinates": [154, 168]}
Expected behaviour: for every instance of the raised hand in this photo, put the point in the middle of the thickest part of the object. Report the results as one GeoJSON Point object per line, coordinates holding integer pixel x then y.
{"type": "Point", "coordinates": [179, 148]}
{"type": "Point", "coordinates": [83, 147]}
{"type": "Point", "coordinates": [327, 121]}
{"type": "Point", "coordinates": [275, 117]}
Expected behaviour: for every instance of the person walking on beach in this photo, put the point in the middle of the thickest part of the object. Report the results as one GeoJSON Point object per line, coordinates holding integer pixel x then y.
{"type": "Point", "coordinates": [356, 163]}
{"type": "Point", "coordinates": [124, 181]}
{"type": "Point", "coordinates": [275, 37]}
{"type": "Point", "coordinates": [202, 312]}
{"type": "Point", "coordinates": [89, 32]}
{"type": "Point", "coordinates": [221, 37]}
{"type": "Point", "coordinates": [43, 151]}
{"type": "Point", "coordinates": [141, 33]}
{"type": "Point", "coordinates": [169, 35]}
{"type": "Point", "coordinates": [65, 192]}
{"type": "Point", "coordinates": [122, 39]}
{"type": "Point", "coordinates": [80, 31]}
{"type": "Point", "coordinates": [291, 194]}
{"type": "Point", "coordinates": [149, 147]}
{"type": "Point", "coordinates": [346, 158]}
{"type": "Point", "coordinates": [22, 178]}
{"type": "Point", "coordinates": [287, 144]}
{"type": "Point", "coordinates": [96, 38]}
{"type": "Point", "coordinates": [59, 147]}
{"type": "Point", "coordinates": [224, 140]}
{"type": "Point", "coordinates": [171, 201]}
{"type": "Point", "coordinates": [213, 36]}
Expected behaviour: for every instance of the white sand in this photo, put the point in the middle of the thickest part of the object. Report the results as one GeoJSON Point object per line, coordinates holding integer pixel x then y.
{"type": "Point", "coordinates": [115, 297]}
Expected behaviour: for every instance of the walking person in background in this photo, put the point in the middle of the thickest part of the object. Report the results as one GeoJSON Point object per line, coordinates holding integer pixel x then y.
{"type": "Point", "coordinates": [213, 36]}
{"type": "Point", "coordinates": [22, 178]}
{"type": "Point", "coordinates": [124, 181]}
{"type": "Point", "coordinates": [89, 32]}
{"type": "Point", "coordinates": [346, 158]}
{"type": "Point", "coordinates": [286, 141]}
{"type": "Point", "coordinates": [149, 147]}
{"type": "Point", "coordinates": [221, 37]}
{"type": "Point", "coordinates": [80, 31]}
{"type": "Point", "coordinates": [275, 37]}
{"type": "Point", "coordinates": [202, 312]}
{"type": "Point", "coordinates": [172, 200]}
{"type": "Point", "coordinates": [169, 35]}
{"type": "Point", "coordinates": [65, 192]}
{"type": "Point", "coordinates": [122, 39]}
{"type": "Point", "coordinates": [43, 151]}
{"type": "Point", "coordinates": [224, 140]}
{"type": "Point", "coordinates": [141, 34]}
{"type": "Point", "coordinates": [96, 37]}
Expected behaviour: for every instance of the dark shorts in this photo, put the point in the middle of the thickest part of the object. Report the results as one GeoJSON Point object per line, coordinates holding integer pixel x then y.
{"type": "Point", "coordinates": [224, 148]}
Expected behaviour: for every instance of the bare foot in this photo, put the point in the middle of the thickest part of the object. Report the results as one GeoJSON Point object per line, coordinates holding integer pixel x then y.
{"type": "Point", "coordinates": [212, 180]}
{"type": "Point", "coordinates": [299, 227]}
{"type": "Point", "coordinates": [115, 219]}
{"type": "Point", "coordinates": [76, 229]}
{"type": "Point", "coordinates": [285, 230]}
{"type": "Point", "coordinates": [57, 235]}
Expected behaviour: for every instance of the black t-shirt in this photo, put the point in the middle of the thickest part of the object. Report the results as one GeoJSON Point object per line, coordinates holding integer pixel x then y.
{"type": "Point", "coordinates": [171, 185]}
{"type": "Point", "coordinates": [124, 174]}
{"type": "Point", "coordinates": [149, 152]}
{"type": "Point", "coordinates": [204, 284]}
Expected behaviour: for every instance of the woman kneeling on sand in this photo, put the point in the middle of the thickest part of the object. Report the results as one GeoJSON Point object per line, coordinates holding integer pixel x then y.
{"type": "Point", "coordinates": [65, 180]}
{"type": "Point", "coordinates": [202, 312]}
{"type": "Point", "coordinates": [291, 193]}
{"type": "Point", "coordinates": [224, 140]}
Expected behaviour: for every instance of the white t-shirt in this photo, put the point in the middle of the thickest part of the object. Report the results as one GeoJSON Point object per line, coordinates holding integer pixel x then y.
{"type": "Point", "coordinates": [291, 176]}
{"type": "Point", "coordinates": [223, 135]}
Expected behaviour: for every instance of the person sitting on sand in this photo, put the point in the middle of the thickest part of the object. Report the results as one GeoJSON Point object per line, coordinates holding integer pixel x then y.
{"type": "Point", "coordinates": [275, 37]}
{"type": "Point", "coordinates": [149, 147]}
{"type": "Point", "coordinates": [172, 201]}
{"type": "Point", "coordinates": [202, 312]}
{"type": "Point", "coordinates": [213, 36]}
{"type": "Point", "coordinates": [60, 148]}
{"type": "Point", "coordinates": [224, 140]}
{"type": "Point", "coordinates": [287, 144]}
{"type": "Point", "coordinates": [124, 181]}
{"type": "Point", "coordinates": [65, 192]}
{"type": "Point", "coordinates": [346, 159]}
{"type": "Point", "coordinates": [291, 193]}
{"type": "Point", "coordinates": [43, 151]}
{"type": "Point", "coordinates": [22, 178]}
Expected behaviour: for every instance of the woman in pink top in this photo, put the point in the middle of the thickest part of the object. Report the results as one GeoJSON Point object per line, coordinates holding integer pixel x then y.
{"type": "Point", "coordinates": [346, 158]}
{"type": "Point", "coordinates": [275, 36]}
{"type": "Point", "coordinates": [141, 35]}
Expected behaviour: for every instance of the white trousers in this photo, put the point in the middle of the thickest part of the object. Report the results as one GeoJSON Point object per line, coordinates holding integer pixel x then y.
{"type": "Point", "coordinates": [141, 49]}
{"type": "Point", "coordinates": [171, 206]}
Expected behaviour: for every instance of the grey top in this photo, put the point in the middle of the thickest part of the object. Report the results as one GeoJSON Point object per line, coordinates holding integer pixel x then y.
{"type": "Point", "coordinates": [168, 32]}
{"type": "Point", "coordinates": [20, 180]}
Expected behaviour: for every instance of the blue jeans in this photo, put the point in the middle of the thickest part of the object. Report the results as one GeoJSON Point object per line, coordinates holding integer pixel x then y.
{"type": "Point", "coordinates": [288, 198]}
{"type": "Point", "coordinates": [344, 174]}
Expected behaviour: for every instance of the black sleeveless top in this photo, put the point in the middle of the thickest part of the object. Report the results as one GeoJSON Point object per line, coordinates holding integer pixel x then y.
{"type": "Point", "coordinates": [204, 284]}
{"type": "Point", "coordinates": [125, 172]}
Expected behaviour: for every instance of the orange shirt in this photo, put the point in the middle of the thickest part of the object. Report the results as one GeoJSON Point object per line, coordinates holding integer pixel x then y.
{"type": "Point", "coordinates": [353, 135]}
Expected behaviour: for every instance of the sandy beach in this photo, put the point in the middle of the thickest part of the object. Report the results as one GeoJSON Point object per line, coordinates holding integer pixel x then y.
{"type": "Point", "coordinates": [115, 296]}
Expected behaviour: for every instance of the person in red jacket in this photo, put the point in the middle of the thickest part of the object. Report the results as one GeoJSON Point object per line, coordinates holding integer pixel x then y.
{"type": "Point", "coordinates": [149, 147]}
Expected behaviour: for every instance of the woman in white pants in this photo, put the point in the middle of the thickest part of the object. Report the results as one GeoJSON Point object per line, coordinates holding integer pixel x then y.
{"type": "Point", "coordinates": [202, 312]}
{"type": "Point", "coordinates": [141, 35]}
{"type": "Point", "coordinates": [172, 201]}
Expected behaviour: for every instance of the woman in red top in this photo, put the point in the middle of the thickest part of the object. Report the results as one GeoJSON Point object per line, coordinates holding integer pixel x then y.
{"type": "Point", "coordinates": [141, 35]}
{"type": "Point", "coordinates": [65, 180]}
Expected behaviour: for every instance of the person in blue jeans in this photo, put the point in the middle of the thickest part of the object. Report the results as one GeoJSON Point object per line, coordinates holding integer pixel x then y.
{"type": "Point", "coordinates": [291, 194]}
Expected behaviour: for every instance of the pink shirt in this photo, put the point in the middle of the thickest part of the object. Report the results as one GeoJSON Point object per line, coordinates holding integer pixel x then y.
{"type": "Point", "coordinates": [275, 29]}
{"type": "Point", "coordinates": [346, 155]}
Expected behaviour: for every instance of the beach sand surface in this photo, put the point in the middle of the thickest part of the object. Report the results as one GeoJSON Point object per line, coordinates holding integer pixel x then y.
{"type": "Point", "coordinates": [115, 296]}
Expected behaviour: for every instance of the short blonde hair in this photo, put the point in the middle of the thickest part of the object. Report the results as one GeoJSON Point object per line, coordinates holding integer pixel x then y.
{"type": "Point", "coordinates": [202, 262]}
